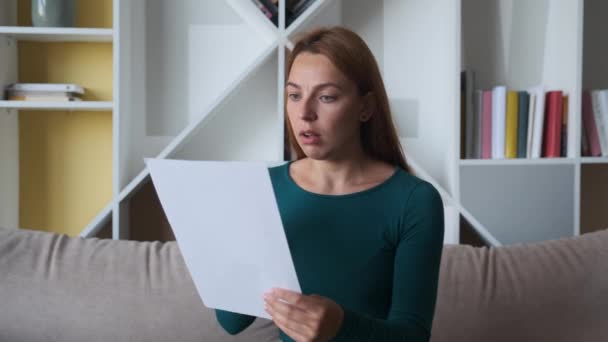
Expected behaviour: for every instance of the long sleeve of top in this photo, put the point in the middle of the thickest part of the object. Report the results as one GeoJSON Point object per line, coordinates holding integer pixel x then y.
{"type": "Point", "coordinates": [375, 252]}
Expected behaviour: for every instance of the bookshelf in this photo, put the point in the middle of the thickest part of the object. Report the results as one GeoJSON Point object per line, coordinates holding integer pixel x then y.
{"type": "Point", "coordinates": [557, 44]}
{"type": "Point", "coordinates": [172, 98]}
{"type": "Point", "coordinates": [56, 157]}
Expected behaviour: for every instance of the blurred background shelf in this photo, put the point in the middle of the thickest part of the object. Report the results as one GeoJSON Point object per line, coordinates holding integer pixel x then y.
{"type": "Point", "coordinates": [57, 34]}
{"type": "Point", "coordinates": [71, 106]}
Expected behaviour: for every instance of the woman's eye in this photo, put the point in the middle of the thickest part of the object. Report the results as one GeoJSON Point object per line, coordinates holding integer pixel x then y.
{"type": "Point", "coordinates": [327, 98]}
{"type": "Point", "coordinates": [293, 97]}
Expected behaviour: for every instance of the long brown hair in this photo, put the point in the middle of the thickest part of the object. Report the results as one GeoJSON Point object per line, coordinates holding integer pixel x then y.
{"type": "Point", "coordinates": [349, 53]}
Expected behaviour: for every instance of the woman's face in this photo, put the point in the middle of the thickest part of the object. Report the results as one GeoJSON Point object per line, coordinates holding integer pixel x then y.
{"type": "Point", "coordinates": [323, 107]}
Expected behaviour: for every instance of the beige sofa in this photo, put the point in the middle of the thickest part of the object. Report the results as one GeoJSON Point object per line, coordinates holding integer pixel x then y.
{"type": "Point", "coordinates": [55, 288]}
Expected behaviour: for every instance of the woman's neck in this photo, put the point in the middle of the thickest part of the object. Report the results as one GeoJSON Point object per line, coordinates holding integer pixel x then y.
{"type": "Point", "coordinates": [341, 176]}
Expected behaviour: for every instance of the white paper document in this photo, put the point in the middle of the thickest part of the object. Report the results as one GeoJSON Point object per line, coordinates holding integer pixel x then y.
{"type": "Point", "coordinates": [226, 221]}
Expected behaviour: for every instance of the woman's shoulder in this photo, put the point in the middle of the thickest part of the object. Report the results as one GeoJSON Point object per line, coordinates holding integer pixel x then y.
{"type": "Point", "coordinates": [416, 189]}
{"type": "Point", "coordinates": [278, 172]}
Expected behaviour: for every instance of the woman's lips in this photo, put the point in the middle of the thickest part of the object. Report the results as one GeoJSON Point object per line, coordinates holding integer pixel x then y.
{"type": "Point", "coordinates": [309, 137]}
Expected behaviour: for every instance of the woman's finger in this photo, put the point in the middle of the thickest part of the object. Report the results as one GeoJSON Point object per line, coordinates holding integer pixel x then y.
{"type": "Point", "coordinates": [289, 312]}
{"type": "Point", "coordinates": [293, 328]}
{"type": "Point", "coordinates": [294, 298]}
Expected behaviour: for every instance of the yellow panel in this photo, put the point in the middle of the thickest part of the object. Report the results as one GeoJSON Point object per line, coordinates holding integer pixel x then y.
{"type": "Point", "coordinates": [86, 64]}
{"type": "Point", "coordinates": [65, 168]}
{"type": "Point", "coordinates": [89, 13]}
{"type": "Point", "coordinates": [66, 157]}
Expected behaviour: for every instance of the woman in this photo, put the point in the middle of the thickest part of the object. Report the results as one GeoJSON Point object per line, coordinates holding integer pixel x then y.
{"type": "Point", "coordinates": [365, 235]}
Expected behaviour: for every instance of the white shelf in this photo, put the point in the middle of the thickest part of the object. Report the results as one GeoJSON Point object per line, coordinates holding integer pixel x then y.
{"type": "Point", "coordinates": [57, 34]}
{"type": "Point", "coordinates": [81, 105]}
{"type": "Point", "coordinates": [540, 161]}
{"type": "Point", "coordinates": [594, 160]}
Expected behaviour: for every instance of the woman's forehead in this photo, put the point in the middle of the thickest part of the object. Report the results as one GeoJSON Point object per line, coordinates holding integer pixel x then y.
{"type": "Point", "coordinates": [312, 70]}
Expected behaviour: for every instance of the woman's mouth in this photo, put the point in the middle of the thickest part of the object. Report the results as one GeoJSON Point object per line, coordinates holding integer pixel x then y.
{"type": "Point", "coordinates": [310, 137]}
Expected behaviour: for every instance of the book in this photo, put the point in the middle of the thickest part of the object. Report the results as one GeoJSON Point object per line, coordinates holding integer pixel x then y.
{"type": "Point", "coordinates": [263, 8]}
{"type": "Point", "coordinates": [46, 87]}
{"type": "Point", "coordinates": [553, 126]}
{"type": "Point", "coordinates": [523, 99]}
{"type": "Point", "coordinates": [602, 130]}
{"type": "Point", "coordinates": [486, 125]}
{"type": "Point", "coordinates": [477, 128]}
{"type": "Point", "coordinates": [564, 142]}
{"type": "Point", "coordinates": [603, 96]}
{"type": "Point", "coordinates": [585, 152]}
{"type": "Point", "coordinates": [39, 93]}
{"type": "Point", "coordinates": [468, 80]}
{"type": "Point", "coordinates": [590, 128]}
{"type": "Point", "coordinates": [539, 121]}
{"type": "Point", "coordinates": [499, 96]}
{"type": "Point", "coordinates": [511, 125]}
{"type": "Point", "coordinates": [274, 11]}
{"type": "Point", "coordinates": [531, 118]}
{"type": "Point", "coordinates": [295, 9]}
{"type": "Point", "coordinates": [43, 98]}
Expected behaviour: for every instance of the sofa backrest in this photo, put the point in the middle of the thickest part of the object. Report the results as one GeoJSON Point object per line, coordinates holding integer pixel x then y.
{"type": "Point", "coordinates": [549, 291]}
{"type": "Point", "coordinates": [56, 288]}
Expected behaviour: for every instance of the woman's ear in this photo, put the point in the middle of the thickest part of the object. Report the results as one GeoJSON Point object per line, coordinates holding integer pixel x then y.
{"type": "Point", "coordinates": [367, 109]}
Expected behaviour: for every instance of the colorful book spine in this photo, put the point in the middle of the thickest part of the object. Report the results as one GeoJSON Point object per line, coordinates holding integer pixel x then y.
{"type": "Point", "coordinates": [469, 111]}
{"type": "Point", "coordinates": [477, 129]}
{"type": "Point", "coordinates": [511, 125]}
{"type": "Point", "coordinates": [539, 121]}
{"type": "Point", "coordinates": [531, 118]}
{"type": "Point", "coordinates": [499, 95]}
{"type": "Point", "coordinates": [486, 125]}
{"type": "Point", "coordinates": [564, 126]}
{"type": "Point", "coordinates": [552, 140]}
{"type": "Point", "coordinates": [603, 100]}
{"type": "Point", "coordinates": [589, 125]}
{"type": "Point", "coordinates": [602, 131]}
{"type": "Point", "coordinates": [523, 99]}
{"type": "Point", "coordinates": [585, 144]}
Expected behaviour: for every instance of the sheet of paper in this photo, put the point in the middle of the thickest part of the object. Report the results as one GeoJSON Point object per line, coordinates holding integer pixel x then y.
{"type": "Point", "coordinates": [226, 221]}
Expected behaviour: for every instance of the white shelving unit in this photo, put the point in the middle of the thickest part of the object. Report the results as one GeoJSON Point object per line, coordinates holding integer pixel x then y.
{"type": "Point", "coordinates": [204, 80]}
{"type": "Point", "coordinates": [187, 103]}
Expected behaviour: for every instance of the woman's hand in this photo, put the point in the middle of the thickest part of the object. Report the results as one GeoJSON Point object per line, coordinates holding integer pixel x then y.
{"type": "Point", "coordinates": [304, 318]}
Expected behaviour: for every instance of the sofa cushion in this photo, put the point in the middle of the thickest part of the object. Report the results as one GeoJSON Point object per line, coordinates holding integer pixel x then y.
{"type": "Point", "coordinates": [549, 291]}
{"type": "Point", "coordinates": [56, 288]}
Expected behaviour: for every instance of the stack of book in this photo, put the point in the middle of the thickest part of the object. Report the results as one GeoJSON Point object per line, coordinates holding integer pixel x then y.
{"type": "Point", "coordinates": [595, 123]}
{"type": "Point", "coordinates": [293, 9]}
{"type": "Point", "coordinates": [501, 123]}
{"type": "Point", "coordinates": [270, 8]}
{"type": "Point", "coordinates": [52, 92]}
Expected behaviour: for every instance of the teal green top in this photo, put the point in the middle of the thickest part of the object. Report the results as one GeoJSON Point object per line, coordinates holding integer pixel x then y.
{"type": "Point", "coordinates": [375, 252]}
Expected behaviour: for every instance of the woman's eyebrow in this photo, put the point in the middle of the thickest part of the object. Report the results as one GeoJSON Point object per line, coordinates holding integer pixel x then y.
{"type": "Point", "coordinates": [321, 85]}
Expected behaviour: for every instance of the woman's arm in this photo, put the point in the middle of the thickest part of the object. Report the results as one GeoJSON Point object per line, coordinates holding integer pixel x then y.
{"type": "Point", "coordinates": [416, 273]}
{"type": "Point", "coordinates": [232, 322]}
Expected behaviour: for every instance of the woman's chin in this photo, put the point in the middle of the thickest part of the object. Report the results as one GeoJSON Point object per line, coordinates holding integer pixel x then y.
{"type": "Point", "coordinates": [314, 152]}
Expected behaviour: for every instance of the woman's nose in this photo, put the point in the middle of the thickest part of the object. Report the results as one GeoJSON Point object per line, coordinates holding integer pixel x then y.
{"type": "Point", "coordinates": [307, 110]}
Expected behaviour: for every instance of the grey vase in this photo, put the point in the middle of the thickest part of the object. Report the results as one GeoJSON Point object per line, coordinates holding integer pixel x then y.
{"type": "Point", "coordinates": [53, 13]}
